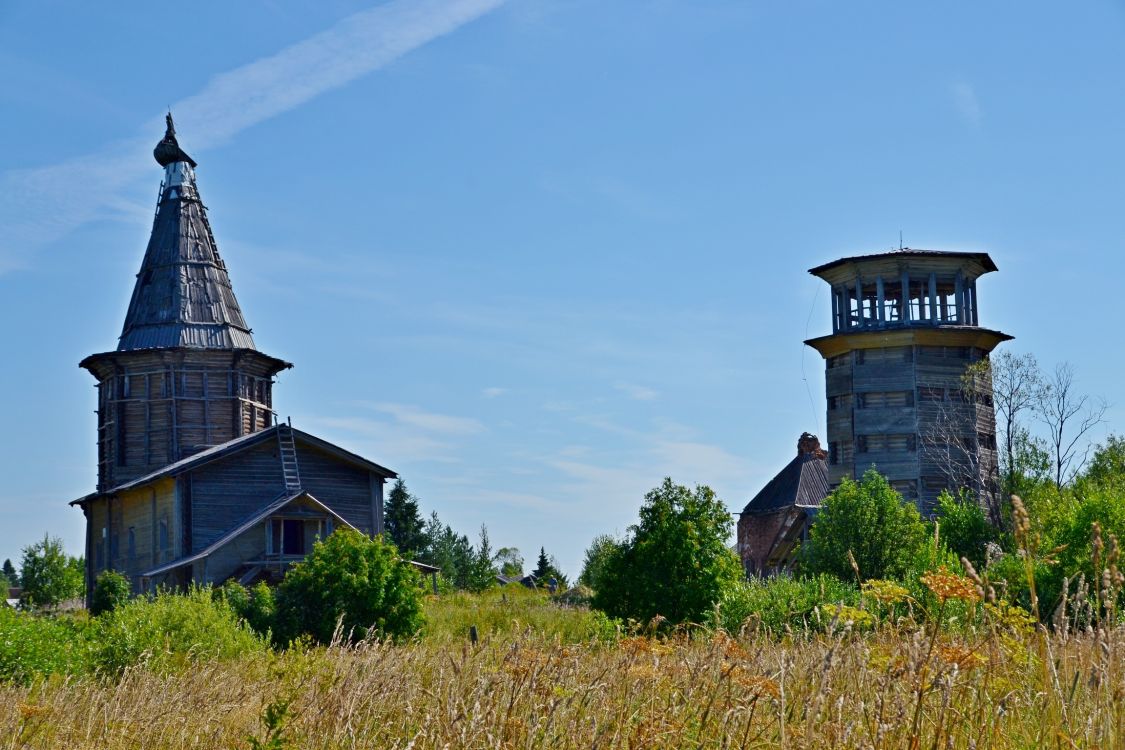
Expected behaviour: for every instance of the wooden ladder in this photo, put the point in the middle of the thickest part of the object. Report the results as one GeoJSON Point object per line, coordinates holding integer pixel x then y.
{"type": "Point", "coordinates": [287, 449]}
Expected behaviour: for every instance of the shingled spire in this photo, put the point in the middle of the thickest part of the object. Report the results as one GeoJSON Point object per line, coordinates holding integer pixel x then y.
{"type": "Point", "coordinates": [186, 375]}
{"type": "Point", "coordinates": [183, 295]}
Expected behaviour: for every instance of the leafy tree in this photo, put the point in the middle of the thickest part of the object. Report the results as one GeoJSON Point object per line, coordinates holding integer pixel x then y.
{"type": "Point", "coordinates": [964, 527]}
{"type": "Point", "coordinates": [594, 565]}
{"type": "Point", "coordinates": [9, 572]}
{"type": "Point", "coordinates": [510, 561]}
{"type": "Point", "coordinates": [482, 571]}
{"type": "Point", "coordinates": [48, 575]}
{"type": "Point", "coordinates": [869, 520]}
{"type": "Point", "coordinates": [1107, 465]}
{"type": "Point", "coordinates": [111, 590]}
{"type": "Point", "coordinates": [5, 584]}
{"type": "Point", "coordinates": [675, 562]}
{"type": "Point", "coordinates": [404, 523]}
{"type": "Point", "coordinates": [1030, 464]}
{"type": "Point", "coordinates": [352, 580]}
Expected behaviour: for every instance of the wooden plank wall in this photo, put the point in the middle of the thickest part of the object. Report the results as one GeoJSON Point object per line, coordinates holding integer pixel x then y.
{"type": "Point", "coordinates": [145, 516]}
{"type": "Point", "coordinates": [227, 491]}
{"type": "Point", "coordinates": [897, 375]}
{"type": "Point", "coordinates": [162, 406]}
{"type": "Point", "coordinates": [344, 488]}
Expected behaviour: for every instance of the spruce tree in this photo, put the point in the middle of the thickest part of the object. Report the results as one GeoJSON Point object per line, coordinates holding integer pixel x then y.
{"type": "Point", "coordinates": [403, 522]}
{"type": "Point", "coordinates": [448, 550]}
{"type": "Point", "coordinates": [483, 570]}
{"type": "Point", "coordinates": [9, 572]}
{"type": "Point", "coordinates": [542, 566]}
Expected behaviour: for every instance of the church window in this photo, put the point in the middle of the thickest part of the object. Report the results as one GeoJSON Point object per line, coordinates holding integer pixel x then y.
{"type": "Point", "coordinates": [132, 544]}
{"type": "Point", "coordinates": [165, 537]}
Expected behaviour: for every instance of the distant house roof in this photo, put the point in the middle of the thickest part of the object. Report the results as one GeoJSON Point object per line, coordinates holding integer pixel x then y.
{"type": "Point", "coordinates": [239, 444]}
{"type": "Point", "coordinates": [802, 483]}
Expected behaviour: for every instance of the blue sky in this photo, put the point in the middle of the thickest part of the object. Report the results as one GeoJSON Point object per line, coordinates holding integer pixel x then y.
{"type": "Point", "coordinates": [537, 255]}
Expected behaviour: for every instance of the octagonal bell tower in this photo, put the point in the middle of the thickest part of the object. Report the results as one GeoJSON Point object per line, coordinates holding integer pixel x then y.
{"type": "Point", "coordinates": [905, 328]}
{"type": "Point", "coordinates": [185, 375]}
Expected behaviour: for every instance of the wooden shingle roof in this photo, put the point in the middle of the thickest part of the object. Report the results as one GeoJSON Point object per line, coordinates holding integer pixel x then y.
{"type": "Point", "coordinates": [802, 483]}
{"type": "Point", "coordinates": [183, 295]}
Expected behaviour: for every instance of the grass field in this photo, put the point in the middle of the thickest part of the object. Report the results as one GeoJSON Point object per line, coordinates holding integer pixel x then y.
{"type": "Point", "coordinates": [544, 676]}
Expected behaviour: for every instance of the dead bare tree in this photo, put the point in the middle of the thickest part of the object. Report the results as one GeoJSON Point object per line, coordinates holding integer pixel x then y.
{"type": "Point", "coordinates": [950, 438]}
{"type": "Point", "coordinates": [1068, 416]}
{"type": "Point", "coordinates": [1017, 383]}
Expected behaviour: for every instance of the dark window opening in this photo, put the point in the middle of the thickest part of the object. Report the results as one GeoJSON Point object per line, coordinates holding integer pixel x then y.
{"type": "Point", "coordinates": [293, 536]}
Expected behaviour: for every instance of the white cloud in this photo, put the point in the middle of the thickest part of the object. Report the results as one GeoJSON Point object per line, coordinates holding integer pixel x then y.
{"type": "Point", "coordinates": [493, 392]}
{"type": "Point", "coordinates": [383, 442]}
{"type": "Point", "coordinates": [637, 392]}
{"type": "Point", "coordinates": [37, 206]}
{"type": "Point", "coordinates": [965, 99]}
{"type": "Point", "coordinates": [429, 421]}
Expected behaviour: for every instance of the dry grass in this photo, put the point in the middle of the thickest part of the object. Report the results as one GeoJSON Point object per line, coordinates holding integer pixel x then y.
{"type": "Point", "coordinates": [1007, 689]}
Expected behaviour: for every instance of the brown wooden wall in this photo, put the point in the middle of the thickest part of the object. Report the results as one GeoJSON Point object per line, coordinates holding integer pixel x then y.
{"type": "Point", "coordinates": [157, 407]}
{"type": "Point", "coordinates": [227, 491]}
{"type": "Point", "coordinates": [882, 413]}
{"type": "Point", "coordinates": [134, 531]}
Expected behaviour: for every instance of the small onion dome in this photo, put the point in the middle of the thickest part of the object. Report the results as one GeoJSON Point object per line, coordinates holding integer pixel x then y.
{"type": "Point", "coordinates": [168, 151]}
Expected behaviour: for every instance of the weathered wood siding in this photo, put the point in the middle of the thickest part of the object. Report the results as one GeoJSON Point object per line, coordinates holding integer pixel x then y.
{"type": "Point", "coordinates": [134, 531]}
{"type": "Point", "coordinates": [159, 406]}
{"type": "Point", "coordinates": [344, 488]}
{"type": "Point", "coordinates": [228, 491]}
{"type": "Point", "coordinates": [923, 383]}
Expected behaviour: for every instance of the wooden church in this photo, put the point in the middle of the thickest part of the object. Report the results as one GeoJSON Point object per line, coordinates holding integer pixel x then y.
{"type": "Point", "coordinates": [198, 481]}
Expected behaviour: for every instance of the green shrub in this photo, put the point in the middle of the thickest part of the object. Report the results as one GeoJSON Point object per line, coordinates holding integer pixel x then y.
{"type": "Point", "coordinates": [675, 563]}
{"type": "Point", "coordinates": [350, 580]}
{"type": "Point", "coordinates": [111, 590]}
{"type": "Point", "coordinates": [170, 631]}
{"type": "Point", "coordinates": [782, 603]}
{"type": "Point", "coordinates": [963, 526]}
{"type": "Point", "coordinates": [869, 521]}
{"type": "Point", "coordinates": [37, 645]}
{"type": "Point", "coordinates": [256, 606]}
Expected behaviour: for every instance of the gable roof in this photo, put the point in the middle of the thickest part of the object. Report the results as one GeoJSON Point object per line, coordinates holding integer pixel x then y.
{"type": "Point", "coordinates": [802, 483]}
{"type": "Point", "coordinates": [245, 526]}
{"type": "Point", "coordinates": [237, 445]}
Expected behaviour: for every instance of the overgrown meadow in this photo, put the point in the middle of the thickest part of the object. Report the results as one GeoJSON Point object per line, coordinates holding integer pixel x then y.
{"type": "Point", "coordinates": [884, 672]}
{"type": "Point", "coordinates": [892, 641]}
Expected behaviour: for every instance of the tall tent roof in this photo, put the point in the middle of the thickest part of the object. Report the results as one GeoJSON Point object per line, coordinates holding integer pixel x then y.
{"type": "Point", "coordinates": [183, 295]}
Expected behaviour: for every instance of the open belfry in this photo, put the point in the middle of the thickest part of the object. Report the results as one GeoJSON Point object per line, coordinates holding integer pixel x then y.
{"type": "Point", "coordinates": [198, 481]}
{"type": "Point", "coordinates": [902, 396]}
